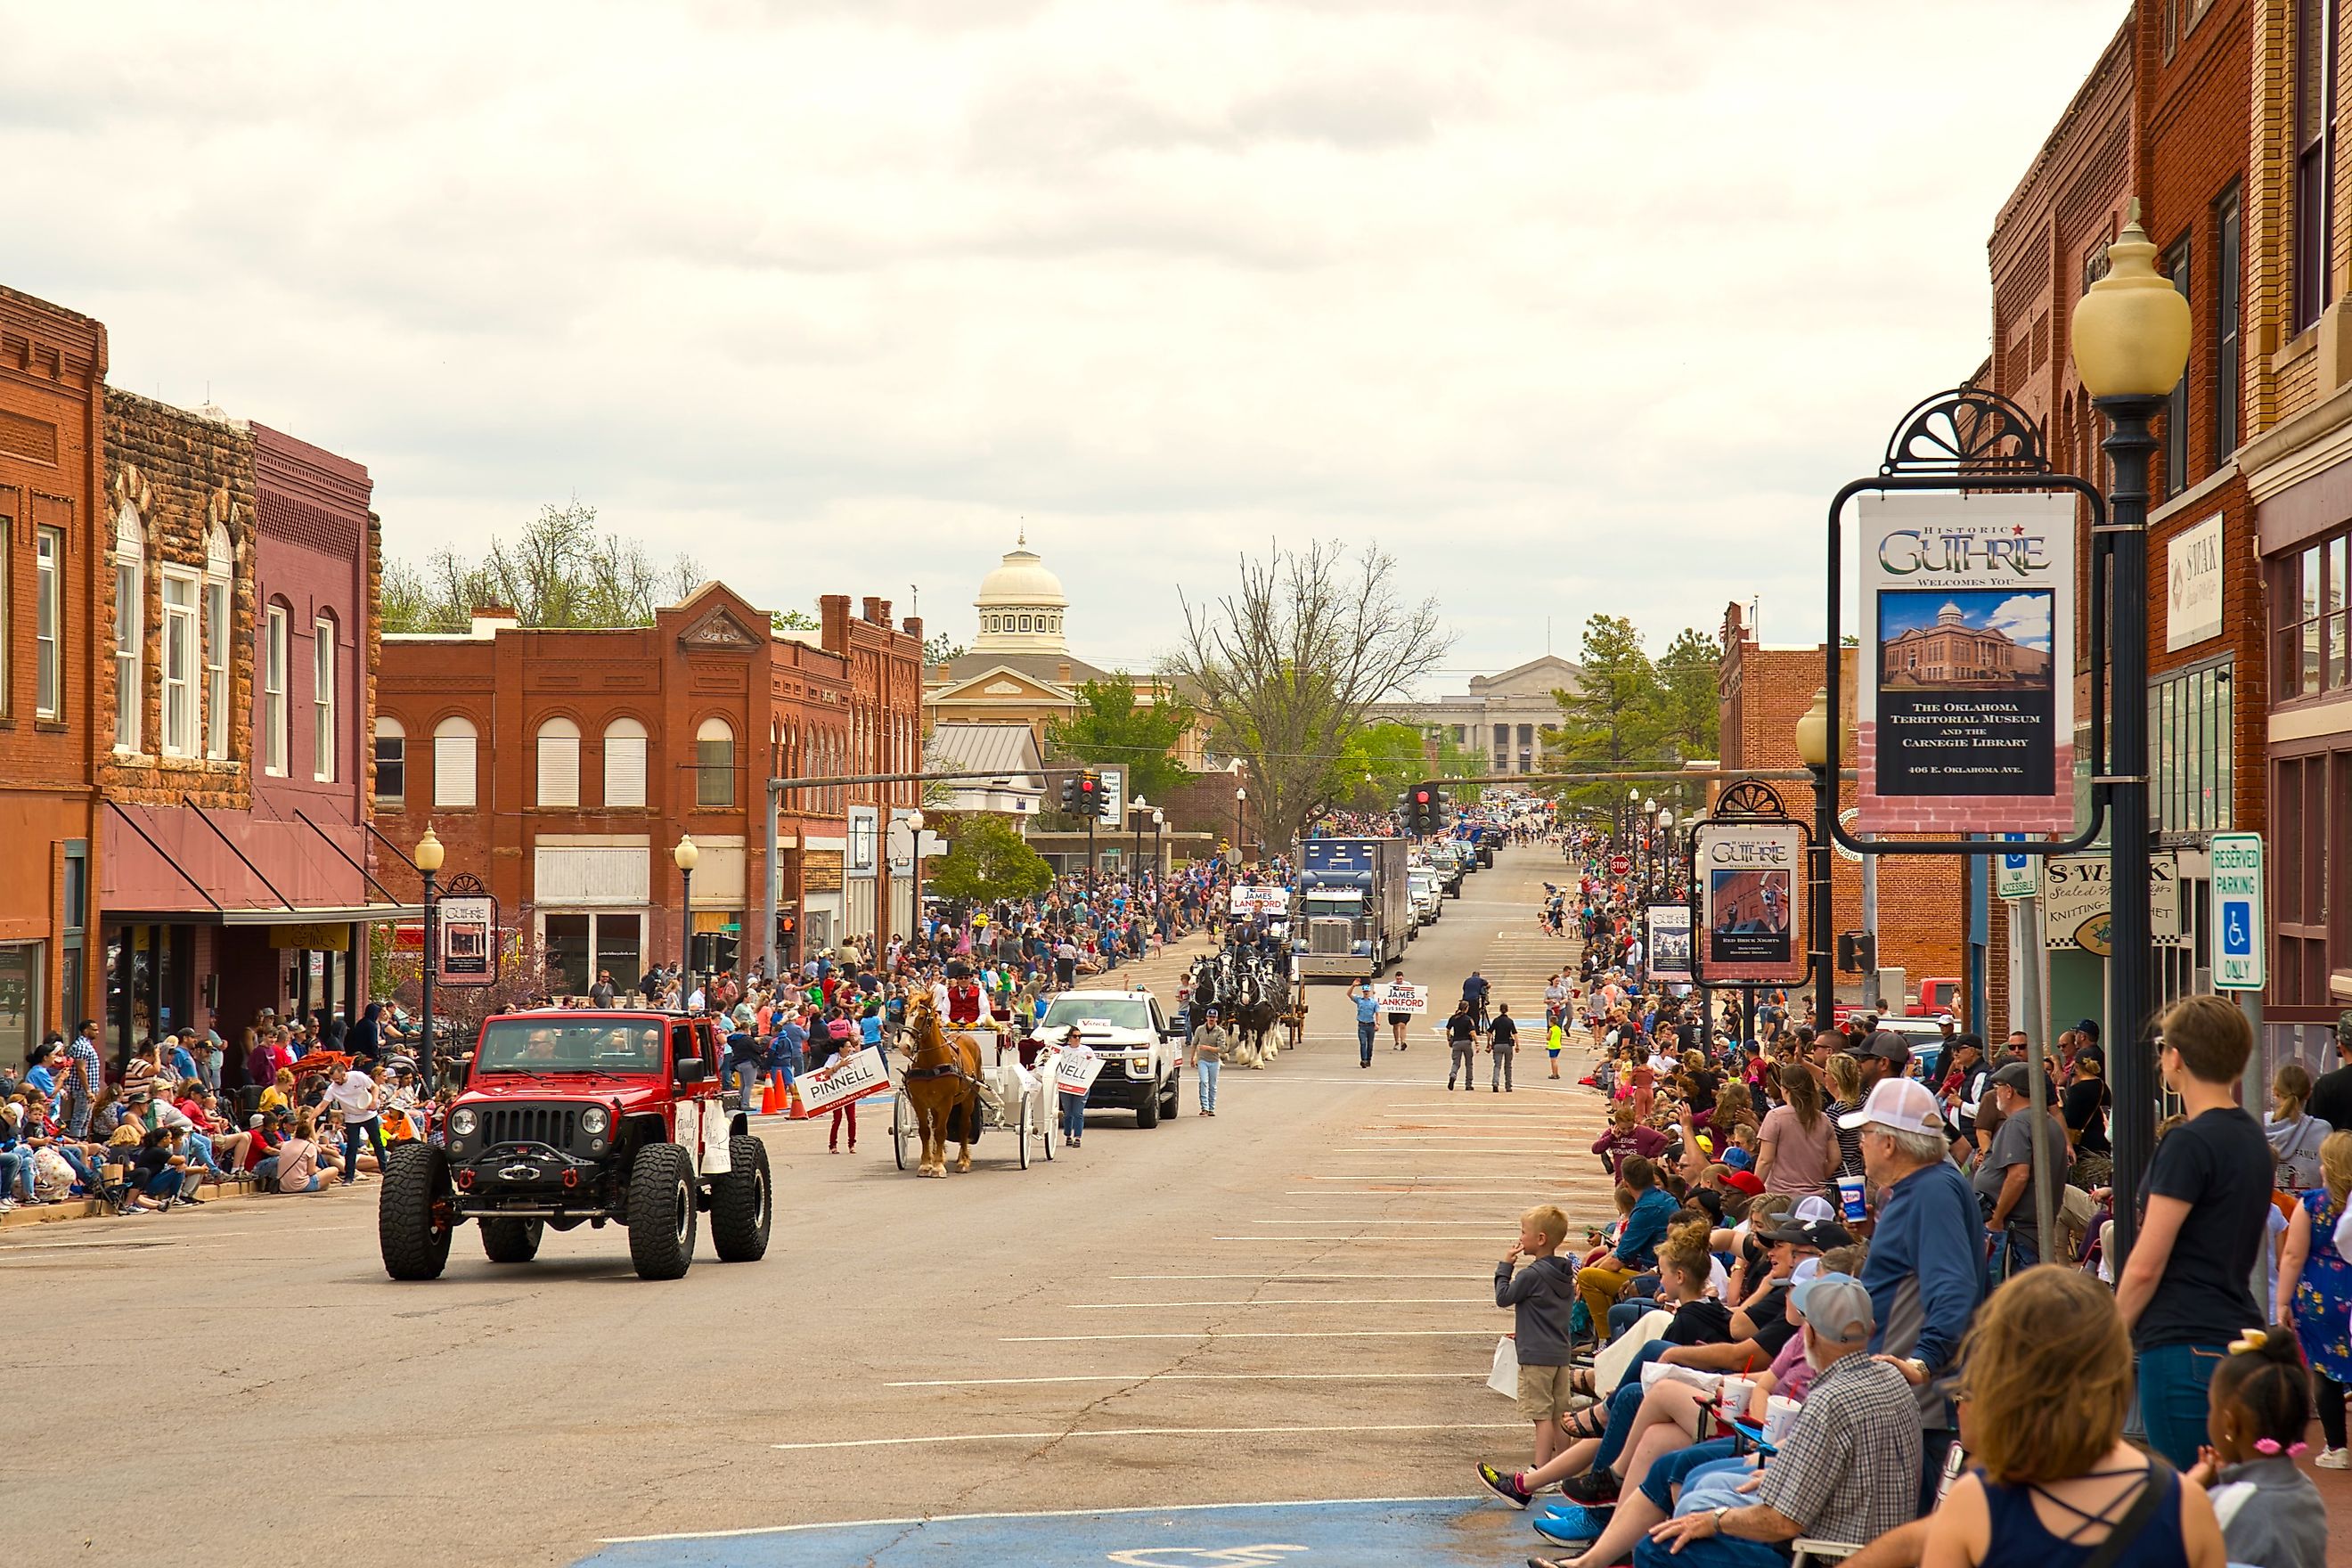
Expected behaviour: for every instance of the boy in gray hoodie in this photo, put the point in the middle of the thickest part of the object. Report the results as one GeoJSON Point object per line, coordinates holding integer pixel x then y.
{"type": "Point", "coordinates": [1541, 1297]}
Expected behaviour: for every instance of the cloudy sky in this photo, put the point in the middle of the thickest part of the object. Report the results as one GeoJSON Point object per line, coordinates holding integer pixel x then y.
{"type": "Point", "coordinates": [1571, 305]}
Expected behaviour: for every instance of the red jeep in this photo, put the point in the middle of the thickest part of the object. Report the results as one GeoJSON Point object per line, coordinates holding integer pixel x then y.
{"type": "Point", "coordinates": [583, 1116]}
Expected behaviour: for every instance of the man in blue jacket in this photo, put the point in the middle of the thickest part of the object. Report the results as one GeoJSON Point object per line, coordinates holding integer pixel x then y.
{"type": "Point", "coordinates": [1637, 1250]}
{"type": "Point", "coordinates": [1926, 1268]}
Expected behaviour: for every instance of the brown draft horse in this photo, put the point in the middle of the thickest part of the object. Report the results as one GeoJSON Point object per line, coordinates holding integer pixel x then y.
{"type": "Point", "coordinates": [942, 1083]}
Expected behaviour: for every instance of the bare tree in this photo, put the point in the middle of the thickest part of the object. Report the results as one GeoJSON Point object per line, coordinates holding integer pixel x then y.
{"type": "Point", "coordinates": [1287, 666]}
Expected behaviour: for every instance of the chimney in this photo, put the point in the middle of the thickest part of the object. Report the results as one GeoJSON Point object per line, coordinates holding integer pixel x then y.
{"type": "Point", "coordinates": [1062, 673]}
{"type": "Point", "coordinates": [915, 627]}
{"type": "Point", "coordinates": [490, 619]}
{"type": "Point", "coordinates": [876, 610]}
{"type": "Point", "coordinates": [832, 615]}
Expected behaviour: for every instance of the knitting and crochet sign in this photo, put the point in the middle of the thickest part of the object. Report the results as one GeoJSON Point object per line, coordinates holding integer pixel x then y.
{"type": "Point", "coordinates": [1961, 721]}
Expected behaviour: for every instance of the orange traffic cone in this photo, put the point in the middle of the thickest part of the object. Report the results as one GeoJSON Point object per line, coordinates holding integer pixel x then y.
{"type": "Point", "coordinates": [799, 1110]}
{"type": "Point", "coordinates": [768, 1097]}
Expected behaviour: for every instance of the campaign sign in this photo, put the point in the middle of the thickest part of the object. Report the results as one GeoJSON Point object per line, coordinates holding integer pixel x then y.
{"type": "Point", "coordinates": [1968, 607]}
{"type": "Point", "coordinates": [848, 1078]}
{"type": "Point", "coordinates": [1748, 891]}
{"type": "Point", "coordinates": [1669, 942]}
{"type": "Point", "coordinates": [2240, 942]}
{"type": "Point", "coordinates": [1076, 1071]}
{"type": "Point", "coordinates": [1402, 996]}
{"type": "Point", "coordinates": [1270, 901]}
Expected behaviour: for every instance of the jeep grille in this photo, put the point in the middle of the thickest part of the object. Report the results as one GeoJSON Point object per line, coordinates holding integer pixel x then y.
{"type": "Point", "coordinates": [553, 1125]}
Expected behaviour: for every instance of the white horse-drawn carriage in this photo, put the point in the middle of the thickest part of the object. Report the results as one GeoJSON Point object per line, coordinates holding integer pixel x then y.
{"type": "Point", "coordinates": [1012, 1097]}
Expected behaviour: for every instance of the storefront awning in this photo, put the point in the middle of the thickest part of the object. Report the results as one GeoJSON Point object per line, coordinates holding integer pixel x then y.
{"type": "Point", "coordinates": [307, 914]}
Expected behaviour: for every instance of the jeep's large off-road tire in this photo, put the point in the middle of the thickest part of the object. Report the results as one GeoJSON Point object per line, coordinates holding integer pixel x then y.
{"type": "Point", "coordinates": [511, 1240]}
{"type": "Point", "coordinates": [1147, 1109]}
{"type": "Point", "coordinates": [742, 1204]}
{"type": "Point", "coordinates": [414, 1211]}
{"type": "Point", "coordinates": [661, 1212]}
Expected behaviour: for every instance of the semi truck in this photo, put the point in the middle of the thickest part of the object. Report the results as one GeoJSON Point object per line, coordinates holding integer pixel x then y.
{"type": "Point", "coordinates": [1355, 907]}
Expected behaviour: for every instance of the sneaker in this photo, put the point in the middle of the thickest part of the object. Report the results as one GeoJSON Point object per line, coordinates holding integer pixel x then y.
{"type": "Point", "coordinates": [1569, 1525]}
{"type": "Point", "coordinates": [1595, 1489]}
{"type": "Point", "coordinates": [2334, 1460]}
{"type": "Point", "coordinates": [1504, 1485]}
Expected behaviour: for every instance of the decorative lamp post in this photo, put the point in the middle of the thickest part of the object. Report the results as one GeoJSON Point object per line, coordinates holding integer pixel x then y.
{"type": "Point", "coordinates": [1158, 824]}
{"type": "Point", "coordinates": [914, 820]}
{"type": "Point", "coordinates": [1136, 808]}
{"type": "Point", "coordinates": [1649, 846]}
{"type": "Point", "coordinates": [1666, 879]}
{"type": "Point", "coordinates": [1813, 751]}
{"type": "Point", "coordinates": [1241, 794]}
{"type": "Point", "coordinates": [686, 854]}
{"type": "Point", "coordinates": [2131, 345]}
{"type": "Point", "coordinates": [428, 858]}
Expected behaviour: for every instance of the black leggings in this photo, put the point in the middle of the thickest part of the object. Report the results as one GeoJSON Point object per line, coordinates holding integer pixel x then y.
{"type": "Point", "coordinates": [2328, 1395]}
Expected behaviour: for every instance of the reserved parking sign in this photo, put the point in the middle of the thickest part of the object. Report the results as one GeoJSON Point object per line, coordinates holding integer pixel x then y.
{"type": "Point", "coordinates": [2241, 940]}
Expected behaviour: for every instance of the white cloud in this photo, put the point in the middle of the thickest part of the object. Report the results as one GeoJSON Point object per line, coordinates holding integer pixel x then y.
{"type": "Point", "coordinates": [1575, 307]}
{"type": "Point", "coordinates": [2024, 618]}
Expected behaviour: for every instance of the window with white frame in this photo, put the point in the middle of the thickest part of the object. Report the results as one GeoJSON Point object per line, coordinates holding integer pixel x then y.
{"type": "Point", "coordinates": [8, 610]}
{"type": "Point", "coordinates": [714, 763]}
{"type": "Point", "coordinates": [180, 691]}
{"type": "Point", "coordinates": [390, 762]}
{"type": "Point", "coordinates": [624, 763]}
{"type": "Point", "coordinates": [453, 765]}
{"type": "Point", "coordinates": [324, 749]}
{"type": "Point", "coordinates": [276, 660]}
{"type": "Point", "coordinates": [220, 568]}
{"type": "Point", "coordinates": [559, 764]}
{"type": "Point", "coordinates": [130, 626]}
{"type": "Point", "coordinates": [48, 623]}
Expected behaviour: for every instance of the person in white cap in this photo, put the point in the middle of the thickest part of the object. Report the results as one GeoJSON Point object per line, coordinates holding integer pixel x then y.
{"type": "Point", "coordinates": [1925, 1271]}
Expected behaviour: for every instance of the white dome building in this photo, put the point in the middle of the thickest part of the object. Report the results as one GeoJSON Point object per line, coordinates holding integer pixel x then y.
{"type": "Point", "coordinates": [1020, 606]}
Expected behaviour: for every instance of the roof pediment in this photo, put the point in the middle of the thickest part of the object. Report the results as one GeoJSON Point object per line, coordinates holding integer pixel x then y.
{"type": "Point", "coordinates": [1537, 677]}
{"type": "Point", "coordinates": [1002, 683]}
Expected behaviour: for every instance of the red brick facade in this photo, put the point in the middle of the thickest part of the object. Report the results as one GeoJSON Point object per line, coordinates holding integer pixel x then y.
{"type": "Point", "coordinates": [52, 484]}
{"type": "Point", "coordinates": [574, 835]}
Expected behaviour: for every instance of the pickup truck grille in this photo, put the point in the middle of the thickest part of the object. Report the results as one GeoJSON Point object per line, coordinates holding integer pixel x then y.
{"type": "Point", "coordinates": [1330, 936]}
{"type": "Point", "coordinates": [553, 1125]}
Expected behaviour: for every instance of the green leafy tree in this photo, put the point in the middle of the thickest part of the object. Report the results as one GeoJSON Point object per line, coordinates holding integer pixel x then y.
{"type": "Point", "coordinates": [560, 570]}
{"type": "Point", "coordinates": [987, 860]}
{"type": "Point", "coordinates": [1114, 725]}
{"type": "Point", "coordinates": [1379, 763]}
{"type": "Point", "coordinates": [1613, 719]}
{"type": "Point", "coordinates": [793, 620]}
{"type": "Point", "coordinates": [940, 648]}
{"type": "Point", "coordinates": [1690, 696]}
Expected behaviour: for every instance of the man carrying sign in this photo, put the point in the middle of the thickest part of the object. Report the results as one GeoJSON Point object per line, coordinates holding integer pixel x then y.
{"type": "Point", "coordinates": [1210, 1043]}
{"type": "Point", "coordinates": [1399, 989]}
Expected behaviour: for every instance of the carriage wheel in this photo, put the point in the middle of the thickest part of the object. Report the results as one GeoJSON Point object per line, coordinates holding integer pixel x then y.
{"type": "Point", "coordinates": [1049, 1103]}
{"type": "Point", "coordinates": [902, 1126]}
{"type": "Point", "coordinates": [1020, 1132]}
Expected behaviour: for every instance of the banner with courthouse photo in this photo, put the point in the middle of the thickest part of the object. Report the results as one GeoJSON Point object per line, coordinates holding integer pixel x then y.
{"type": "Point", "coordinates": [1748, 901]}
{"type": "Point", "coordinates": [1669, 943]}
{"type": "Point", "coordinates": [1965, 702]}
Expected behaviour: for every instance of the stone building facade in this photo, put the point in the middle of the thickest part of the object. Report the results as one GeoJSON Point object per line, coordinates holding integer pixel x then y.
{"type": "Point", "coordinates": [1504, 721]}
{"type": "Point", "coordinates": [52, 548]}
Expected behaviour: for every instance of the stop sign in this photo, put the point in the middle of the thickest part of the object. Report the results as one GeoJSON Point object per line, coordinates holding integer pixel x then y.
{"type": "Point", "coordinates": [1621, 864]}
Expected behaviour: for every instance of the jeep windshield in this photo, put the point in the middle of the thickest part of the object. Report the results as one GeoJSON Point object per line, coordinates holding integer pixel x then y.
{"type": "Point", "coordinates": [1118, 1012]}
{"type": "Point", "coordinates": [546, 1045]}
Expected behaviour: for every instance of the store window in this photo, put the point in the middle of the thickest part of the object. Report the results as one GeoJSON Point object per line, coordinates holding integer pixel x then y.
{"type": "Point", "coordinates": [580, 946]}
{"type": "Point", "coordinates": [21, 972]}
{"type": "Point", "coordinates": [2190, 753]}
{"type": "Point", "coordinates": [390, 762]}
{"type": "Point", "coordinates": [2308, 620]}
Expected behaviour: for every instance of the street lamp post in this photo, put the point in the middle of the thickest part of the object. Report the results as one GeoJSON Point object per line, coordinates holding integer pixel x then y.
{"type": "Point", "coordinates": [1241, 794]}
{"type": "Point", "coordinates": [2131, 345]}
{"type": "Point", "coordinates": [686, 854]}
{"type": "Point", "coordinates": [914, 820]}
{"type": "Point", "coordinates": [1649, 848]}
{"type": "Point", "coordinates": [1664, 885]}
{"type": "Point", "coordinates": [1136, 808]}
{"type": "Point", "coordinates": [428, 861]}
{"type": "Point", "coordinates": [1158, 823]}
{"type": "Point", "coordinates": [1813, 751]}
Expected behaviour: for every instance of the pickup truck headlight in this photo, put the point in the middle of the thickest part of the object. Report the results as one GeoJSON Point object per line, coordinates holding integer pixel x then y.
{"type": "Point", "coordinates": [593, 1120]}
{"type": "Point", "coordinates": [461, 1121]}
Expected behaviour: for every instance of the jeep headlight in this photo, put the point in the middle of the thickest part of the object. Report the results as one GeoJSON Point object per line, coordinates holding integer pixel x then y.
{"type": "Point", "coordinates": [593, 1120]}
{"type": "Point", "coordinates": [461, 1121]}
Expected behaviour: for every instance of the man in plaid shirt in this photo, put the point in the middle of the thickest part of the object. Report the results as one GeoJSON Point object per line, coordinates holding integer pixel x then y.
{"type": "Point", "coordinates": [1847, 1469]}
{"type": "Point", "coordinates": [83, 1075]}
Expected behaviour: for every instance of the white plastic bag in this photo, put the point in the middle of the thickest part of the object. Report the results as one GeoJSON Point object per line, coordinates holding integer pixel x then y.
{"type": "Point", "coordinates": [1505, 1379]}
{"type": "Point", "coordinates": [1608, 1366]}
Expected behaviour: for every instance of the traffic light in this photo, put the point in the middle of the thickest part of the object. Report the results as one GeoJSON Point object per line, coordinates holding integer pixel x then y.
{"type": "Point", "coordinates": [1089, 797]}
{"type": "Point", "coordinates": [1424, 809]}
{"type": "Point", "coordinates": [1857, 952]}
{"type": "Point", "coordinates": [1070, 793]}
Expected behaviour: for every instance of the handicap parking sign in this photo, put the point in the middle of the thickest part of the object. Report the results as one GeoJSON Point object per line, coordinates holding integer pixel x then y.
{"type": "Point", "coordinates": [2239, 957]}
{"type": "Point", "coordinates": [2237, 928]}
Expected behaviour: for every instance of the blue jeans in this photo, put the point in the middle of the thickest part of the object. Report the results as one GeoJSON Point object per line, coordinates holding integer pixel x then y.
{"type": "Point", "coordinates": [355, 1133]}
{"type": "Point", "coordinates": [2011, 1254]}
{"type": "Point", "coordinates": [786, 1059]}
{"type": "Point", "coordinates": [1625, 1314]}
{"type": "Point", "coordinates": [1686, 1468]}
{"type": "Point", "coordinates": [1625, 1403]}
{"type": "Point", "coordinates": [1074, 1116]}
{"type": "Point", "coordinates": [743, 1073]}
{"type": "Point", "coordinates": [2173, 1403]}
{"type": "Point", "coordinates": [1365, 1032]}
{"type": "Point", "coordinates": [16, 1174]}
{"type": "Point", "coordinates": [199, 1152]}
{"type": "Point", "coordinates": [1208, 1069]}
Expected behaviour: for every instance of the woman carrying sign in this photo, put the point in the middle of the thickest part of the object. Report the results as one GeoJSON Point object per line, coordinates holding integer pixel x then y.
{"type": "Point", "coordinates": [1077, 1056]}
{"type": "Point", "coordinates": [1397, 1021]}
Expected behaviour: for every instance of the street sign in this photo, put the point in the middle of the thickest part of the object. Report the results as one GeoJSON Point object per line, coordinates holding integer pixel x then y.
{"type": "Point", "coordinates": [1621, 864]}
{"type": "Point", "coordinates": [2016, 876]}
{"type": "Point", "coordinates": [2240, 939]}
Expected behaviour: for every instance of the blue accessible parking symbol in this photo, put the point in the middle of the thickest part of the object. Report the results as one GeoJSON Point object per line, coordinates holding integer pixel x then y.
{"type": "Point", "coordinates": [1379, 1532]}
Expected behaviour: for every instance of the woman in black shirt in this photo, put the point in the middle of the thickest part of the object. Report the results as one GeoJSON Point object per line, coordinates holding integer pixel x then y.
{"type": "Point", "coordinates": [2084, 1112]}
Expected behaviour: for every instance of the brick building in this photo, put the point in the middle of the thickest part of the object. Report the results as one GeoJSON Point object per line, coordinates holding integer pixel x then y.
{"type": "Point", "coordinates": [886, 735]}
{"type": "Point", "coordinates": [1764, 692]}
{"type": "Point", "coordinates": [52, 440]}
{"type": "Point", "coordinates": [562, 767]}
{"type": "Point", "coordinates": [2296, 461]}
{"type": "Point", "coordinates": [239, 597]}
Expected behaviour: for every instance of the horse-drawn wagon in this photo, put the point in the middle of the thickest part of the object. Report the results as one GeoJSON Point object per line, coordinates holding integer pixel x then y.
{"type": "Point", "coordinates": [947, 1090]}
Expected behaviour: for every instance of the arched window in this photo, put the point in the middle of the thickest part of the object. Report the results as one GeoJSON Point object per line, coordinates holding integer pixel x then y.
{"type": "Point", "coordinates": [714, 763]}
{"type": "Point", "coordinates": [453, 765]}
{"type": "Point", "coordinates": [130, 626]}
{"type": "Point", "coordinates": [390, 762]}
{"type": "Point", "coordinates": [625, 764]}
{"type": "Point", "coordinates": [559, 764]}
{"type": "Point", "coordinates": [220, 569]}
{"type": "Point", "coordinates": [277, 662]}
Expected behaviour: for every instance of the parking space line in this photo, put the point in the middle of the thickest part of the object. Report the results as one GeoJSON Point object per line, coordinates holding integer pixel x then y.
{"type": "Point", "coordinates": [1194, 1377]}
{"type": "Point", "coordinates": [1255, 1334]}
{"type": "Point", "coordinates": [1299, 1278]}
{"type": "Point", "coordinates": [1149, 1432]}
{"type": "Point", "coordinates": [1284, 1301]}
{"type": "Point", "coordinates": [1048, 1513]}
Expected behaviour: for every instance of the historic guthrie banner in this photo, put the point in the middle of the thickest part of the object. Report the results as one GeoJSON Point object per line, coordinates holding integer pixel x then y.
{"type": "Point", "coordinates": [1965, 717]}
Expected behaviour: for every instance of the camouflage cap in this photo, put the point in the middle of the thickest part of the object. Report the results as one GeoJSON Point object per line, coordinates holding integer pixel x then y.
{"type": "Point", "coordinates": [2344, 1025]}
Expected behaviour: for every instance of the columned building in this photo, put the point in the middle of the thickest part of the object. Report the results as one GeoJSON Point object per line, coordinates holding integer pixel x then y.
{"type": "Point", "coordinates": [1504, 721]}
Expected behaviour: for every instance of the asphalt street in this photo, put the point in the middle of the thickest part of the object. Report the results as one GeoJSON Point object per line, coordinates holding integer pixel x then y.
{"type": "Point", "coordinates": [1288, 1304]}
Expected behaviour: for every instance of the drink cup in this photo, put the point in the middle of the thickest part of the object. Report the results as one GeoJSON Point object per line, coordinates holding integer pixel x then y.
{"type": "Point", "coordinates": [1779, 1414]}
{"type": "Point", "coordinates": [1850, 1195]}
{"type": "Point", "coordinates": [1732, 1396]}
